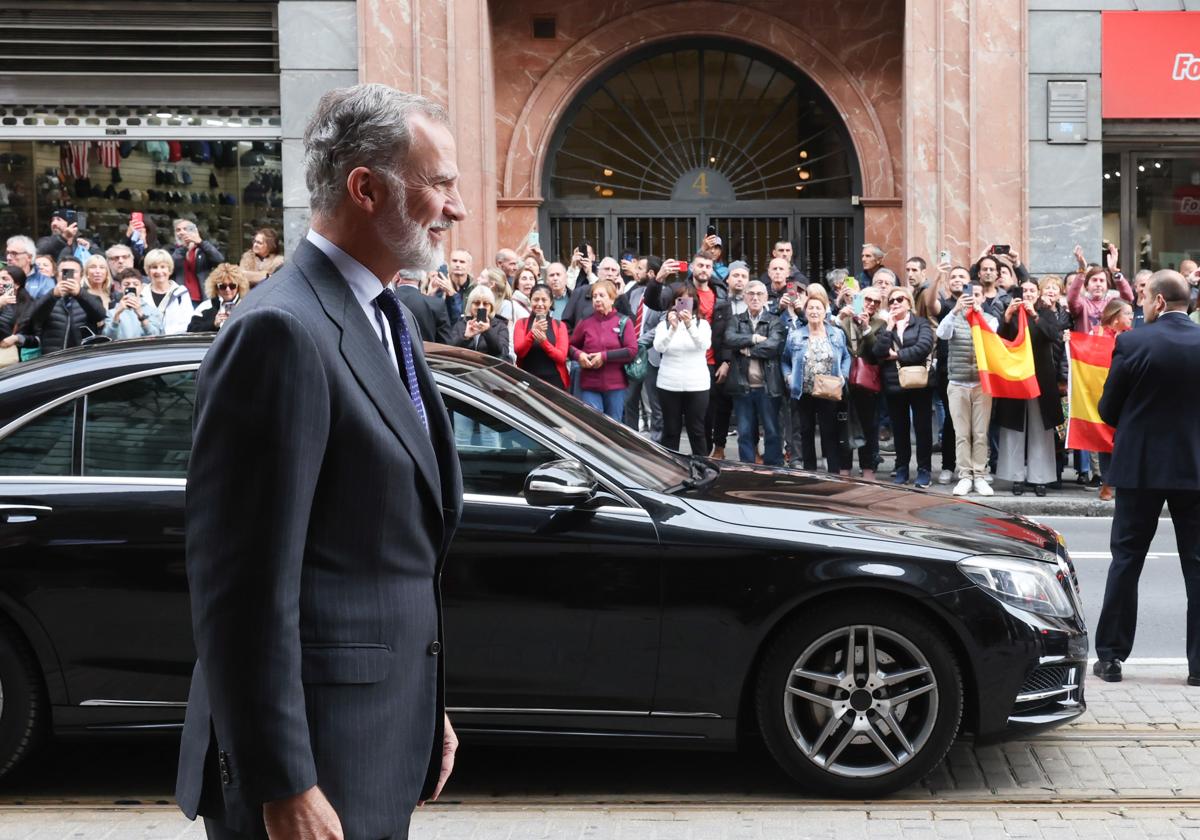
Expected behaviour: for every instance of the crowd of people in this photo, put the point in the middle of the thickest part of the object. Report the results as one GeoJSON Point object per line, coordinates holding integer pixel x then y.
{"type": "Point", "coordinates": [806, 370]}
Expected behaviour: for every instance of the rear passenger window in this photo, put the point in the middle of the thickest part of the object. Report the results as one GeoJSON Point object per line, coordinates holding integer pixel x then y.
{"type": "Point", "coordinates": [141, 428]}
{"type": "Point", "coordinates": [42, 446]}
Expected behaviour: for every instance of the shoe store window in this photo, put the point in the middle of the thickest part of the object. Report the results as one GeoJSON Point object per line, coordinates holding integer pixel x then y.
{"type": "Point", "coordinates": [230, 188]}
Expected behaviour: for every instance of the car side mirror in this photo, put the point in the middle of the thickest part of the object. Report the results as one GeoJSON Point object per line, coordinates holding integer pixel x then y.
{"type": "Point", "coordinates": [558, 483]}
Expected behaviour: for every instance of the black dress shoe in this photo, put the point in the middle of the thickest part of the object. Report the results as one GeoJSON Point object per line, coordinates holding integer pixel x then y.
{"type": "Point", "coordinates": [1018, 488]}
{"type": "Point", "coordinates": [1108, 670]}
{"type": "Point", "coordinates": [1193, 679]}
{"type": "Point", "coordinates": [1039, 489]}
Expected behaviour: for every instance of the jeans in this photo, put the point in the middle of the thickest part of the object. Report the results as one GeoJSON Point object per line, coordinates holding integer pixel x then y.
{"type": "Point", "coordinates": [610, 403]}
{"type": "Point", "coordinates": [680, 409]}
{"type": "Point", "coordinates": [920, 402]}
{"type": "Point", "coordinates": [753, 408]}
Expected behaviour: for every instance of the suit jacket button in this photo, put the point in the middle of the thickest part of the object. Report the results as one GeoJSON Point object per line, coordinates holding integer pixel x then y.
{"type": "Point", "coordinates": [435, 648]}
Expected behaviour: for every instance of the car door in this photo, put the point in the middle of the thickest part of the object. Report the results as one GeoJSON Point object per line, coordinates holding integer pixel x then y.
{"type": "Point", "coordinates": [106, 539]}
{"type": "Point", "coordinates": [548, 610]}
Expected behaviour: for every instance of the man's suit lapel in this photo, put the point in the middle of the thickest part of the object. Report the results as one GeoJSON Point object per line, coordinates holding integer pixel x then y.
{"type": "Point", "coordinates": [369, 362]}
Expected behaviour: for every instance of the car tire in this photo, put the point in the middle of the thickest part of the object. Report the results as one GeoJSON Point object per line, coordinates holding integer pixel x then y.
{"type": "Point", "coordinates": [848, 733]}
{"type": "Point", "coordinates": [23, 706]}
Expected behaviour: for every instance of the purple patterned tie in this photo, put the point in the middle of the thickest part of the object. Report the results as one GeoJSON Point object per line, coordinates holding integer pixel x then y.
{"type": "Point", "coordinates": [390, 304]}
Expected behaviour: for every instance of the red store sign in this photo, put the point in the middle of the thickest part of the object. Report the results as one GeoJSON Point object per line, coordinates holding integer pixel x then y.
{"type": "Point", "coordinates": [1150, 65]}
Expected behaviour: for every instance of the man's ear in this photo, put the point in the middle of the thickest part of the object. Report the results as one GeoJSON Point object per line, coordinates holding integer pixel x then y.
{"type": "Point", "coordinates": [366, 189]}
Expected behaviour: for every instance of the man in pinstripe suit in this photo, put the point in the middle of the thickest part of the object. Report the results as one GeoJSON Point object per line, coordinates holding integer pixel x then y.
{"type": "Point", "coordinates": [322, 496]}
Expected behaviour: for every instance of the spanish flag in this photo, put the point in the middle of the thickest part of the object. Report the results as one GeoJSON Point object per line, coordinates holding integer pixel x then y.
{"type": "Point", "coordinates": [1091, 358]}
{"type": "Point", "coordinates": [1005, 367]}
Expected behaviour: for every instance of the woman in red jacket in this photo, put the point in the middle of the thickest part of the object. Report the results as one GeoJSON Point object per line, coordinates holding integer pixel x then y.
{"type": "Point", "coordinates": [541, 343]}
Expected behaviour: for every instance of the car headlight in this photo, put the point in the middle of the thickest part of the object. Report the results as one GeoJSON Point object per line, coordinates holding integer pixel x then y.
{"type": "Point", "coordinates": [1027, 584]}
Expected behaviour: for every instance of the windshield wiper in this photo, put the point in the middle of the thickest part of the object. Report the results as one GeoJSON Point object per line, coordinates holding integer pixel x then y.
{"type": "Point", "coordinates": [702, 472]}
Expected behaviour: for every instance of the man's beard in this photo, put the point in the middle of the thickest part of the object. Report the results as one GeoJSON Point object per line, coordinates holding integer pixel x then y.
{"type": "Point", "coordinates": [408, 241]}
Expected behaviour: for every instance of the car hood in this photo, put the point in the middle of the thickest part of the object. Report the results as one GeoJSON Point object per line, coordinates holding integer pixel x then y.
{"type": "Point", "coordinates": [804, 502]}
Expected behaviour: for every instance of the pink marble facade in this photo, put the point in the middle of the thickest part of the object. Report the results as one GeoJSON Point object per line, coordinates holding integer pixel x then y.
{"type": "Point", "coordinates": [443, 49]}
{"type": "Point", "coordinates": [965, 124]}
{"type": "Point", "coordinates": [916, 84]}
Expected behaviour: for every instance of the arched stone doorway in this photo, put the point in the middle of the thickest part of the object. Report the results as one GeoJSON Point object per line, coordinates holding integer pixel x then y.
{"type": "Point", "coordinates": [680, 137]}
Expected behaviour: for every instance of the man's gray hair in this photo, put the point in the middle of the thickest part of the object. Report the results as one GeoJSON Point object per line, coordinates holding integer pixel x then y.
{"type": "Point", "coordinates": [113, 250]}
{"type": "Point", "coordinates": [875, 250]}
{"type": "Point", "coordinates": [363, 125]}
{"type": "Point", "coordinates": [22, 243]}
{"type": "Point", "coordinates": [888, 272]}
{"type": "Point", "coordinates": [839, 275]}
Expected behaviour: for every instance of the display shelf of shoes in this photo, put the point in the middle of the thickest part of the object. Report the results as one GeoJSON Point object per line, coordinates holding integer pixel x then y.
{"type": "Point", "coordinates": [17, 191]}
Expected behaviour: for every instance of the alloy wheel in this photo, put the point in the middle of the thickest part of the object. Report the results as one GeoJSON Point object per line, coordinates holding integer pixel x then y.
{"type": "Point", "coordinates": [861, 701]}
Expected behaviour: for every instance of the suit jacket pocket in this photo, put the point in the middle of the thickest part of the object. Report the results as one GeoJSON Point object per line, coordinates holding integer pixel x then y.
{"type": "Point", "coordinates": [344, 664]}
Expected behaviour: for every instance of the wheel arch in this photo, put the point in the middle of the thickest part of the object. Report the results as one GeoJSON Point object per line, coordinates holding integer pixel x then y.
{"type": "Point", "coordinates": [909, 599]}
{"type": "Point", "coordinates": [30, 632]}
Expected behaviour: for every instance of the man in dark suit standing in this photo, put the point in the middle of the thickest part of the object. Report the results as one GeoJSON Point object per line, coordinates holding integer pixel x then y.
{"type": "Point", "coordinates": [1156, 460]}
{"type": "Point", "coordinates": [429, 312]}
{"type": "Point", "coordinates": [324, 461]}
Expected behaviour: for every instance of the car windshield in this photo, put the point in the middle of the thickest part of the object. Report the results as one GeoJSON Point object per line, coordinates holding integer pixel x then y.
{"type": "Point", "coordinates": [645, 464]}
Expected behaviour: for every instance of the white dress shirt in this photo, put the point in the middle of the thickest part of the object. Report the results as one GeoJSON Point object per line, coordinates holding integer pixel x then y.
{"type": "Point", "coordinates": [364, 285]}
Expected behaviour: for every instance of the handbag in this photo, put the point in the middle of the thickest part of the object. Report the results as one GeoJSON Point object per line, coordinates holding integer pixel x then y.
{"type": "Point", "coordinates": [828, 387]}
{"type": "Point", "coordinates": [635, 371]}
{"type": "Point", "coordinates": [865, 375]}
{"type": "Point", "coordinates": [30, 353]}
{"type": "Point", "coordinates": [9, 356]}
{"type": "Point", "coordinates": [913, 377]}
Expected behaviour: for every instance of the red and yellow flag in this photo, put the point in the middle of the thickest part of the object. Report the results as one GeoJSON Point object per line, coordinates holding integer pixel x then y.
{"type": "Point", "coordinates": [1091, 358]}
{"type": "Point", "coordinates": [1005, 367]}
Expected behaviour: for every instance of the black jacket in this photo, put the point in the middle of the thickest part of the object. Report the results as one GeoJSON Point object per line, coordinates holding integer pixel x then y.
{"type": "Point", "coordinates": [721, 319]}
{"type": "Point", "coordinates": [432, 320]}
{"type": "Point", "coordinates": [208, 257]}
{"type": "Point", "coordinates": [1147, 398]}
{"type": "Point", "coordinates": [913, 349]}
{"type": "Point", "coordinates": [494, 342]}
{"type": "Point", "coordinates": [738, 336]}
{"type": "Point", "coordinates": [579, 305]}
{"type": "Point", "coordinates": [661, 296]}
{"type": "Point", "coordinates": [60, 322]}
{"type": "Point", "coordinates": [316, 660]}
{"type": "Point", "coordinates": [1045, 332]}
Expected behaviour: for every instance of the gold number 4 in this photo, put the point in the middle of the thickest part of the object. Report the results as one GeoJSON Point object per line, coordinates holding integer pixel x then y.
{"type": "Point", "coordinates": [700, 185]}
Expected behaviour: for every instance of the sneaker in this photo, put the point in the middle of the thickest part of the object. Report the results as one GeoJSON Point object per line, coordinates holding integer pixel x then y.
{"type": "Point", "coordinates": [945, 477]}
{"type": "Point", "coordinates": [983, 488]}
{"type": "Point", "coordinates": [1094, 481]}
{"type": "Point", "coordinates": [964, 487]}
{"type": "Point", "coordinates": [923, 479]}
{"type": "Point", "coordinates": [900, 476]}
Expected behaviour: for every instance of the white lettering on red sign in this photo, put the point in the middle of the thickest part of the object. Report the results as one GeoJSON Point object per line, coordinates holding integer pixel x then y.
{"type": "Point", "coordinates": [1187, 68]}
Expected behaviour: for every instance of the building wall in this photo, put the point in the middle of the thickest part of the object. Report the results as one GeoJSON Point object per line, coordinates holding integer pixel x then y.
{"type": "Point", "coordinates": [318, 51]}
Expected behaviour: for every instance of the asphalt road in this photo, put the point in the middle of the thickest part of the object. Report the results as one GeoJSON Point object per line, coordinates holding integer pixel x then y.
{"type": "Point", "coordinates": [1162, 607]}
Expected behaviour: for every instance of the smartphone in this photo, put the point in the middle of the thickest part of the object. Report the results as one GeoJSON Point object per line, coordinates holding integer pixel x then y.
{"type": "Point", "coordinates": [481, 314]}
{"type": "Point", "coordinates": [712, 230]}
{"type": "Point", "coordinates": [683, 266]}
{"type": "Point", "coordinates": [534, 239]}
{"type": "Point", "coordinates": [137, 220]}
{"type": "Point", "coordinates": [857, 305]}
{"type": "Point", "coordinates": [943, 257]}
{"type": "Point", "coordinates": [68, 274]}
{"type": "Point", "coordinates": [1001, 249]}
{"type": "Point", "coordinates": [582, 248]}
{"type": "Point", "coordinates": [790, 288]}
{"type": "Point", "coordinates": [6, 288]}
{"type": "Point", "coordinates": [130, 292]}
{"type": "Point", "coordinates": [443, 269]}
{"type": "Point", "coordinates": [852, 282]}
{"type": "Point", "coordinates": [684, 304]}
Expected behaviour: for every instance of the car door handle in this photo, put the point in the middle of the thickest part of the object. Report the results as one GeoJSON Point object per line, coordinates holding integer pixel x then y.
{"type": "Point", "coordinates": [18, 514]}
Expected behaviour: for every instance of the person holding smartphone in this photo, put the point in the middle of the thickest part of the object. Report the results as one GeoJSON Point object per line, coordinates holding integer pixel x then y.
{"type": "Point", "coordinates": [225, 288]}
{"type": "Point", "coordinates": [683, 339]}
{"type": "Point", "coordinates": [69, 314]}
{"type": "Point", "coordinates": [480, 328]}
{"type": "Point", "coordinates": [541, 341]}
{"type": "Point", "coordinates": [131, 316]}
{"type": "Point", "coordinates": [193, 258]}
{"type": "Point", "coordinates": [15, 305]}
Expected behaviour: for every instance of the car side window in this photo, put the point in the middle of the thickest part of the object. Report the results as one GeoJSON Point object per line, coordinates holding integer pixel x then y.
{"type": "Point", "coordinates": [495, 457]}
{"type": "Point", "coordinates": [42, 446]}
{"type": "Point", "coordinates": [140, 428]}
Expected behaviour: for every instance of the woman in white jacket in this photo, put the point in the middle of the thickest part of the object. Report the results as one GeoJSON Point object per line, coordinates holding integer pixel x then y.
{"type": "Point", "coordinates": [683, 339]}
{"type": "Point", "coordinates": [171, 299]}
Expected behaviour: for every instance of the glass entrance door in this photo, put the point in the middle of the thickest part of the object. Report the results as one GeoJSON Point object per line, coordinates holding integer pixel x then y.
{"type": "Point", "coordinates": [1168, 210]}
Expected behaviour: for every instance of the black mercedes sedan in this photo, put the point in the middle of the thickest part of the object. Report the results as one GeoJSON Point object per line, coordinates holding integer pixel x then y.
{"type": "Point", "coordinates": [601, 589]}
